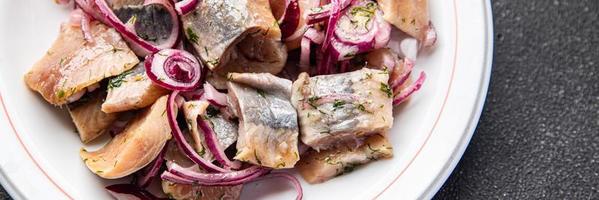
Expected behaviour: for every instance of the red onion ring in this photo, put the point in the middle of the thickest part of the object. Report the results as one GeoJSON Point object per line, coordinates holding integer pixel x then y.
{"type": "Point", "coordinates": [213, 178]}
{"type": "Point", "coordinates": [193, 95]}
{"type": "Point", "coordinates": [214, 146]}
{"type": "Point", "coordinates": [408, 65]}
{"type": "Point", "coordinates": [314, 35]}
{"type": "Point", "coordinates": [304, 62]}
{"type": "Point", "coordinates": [85, 27]}
{"type": "Point", "coordinates": [151, 170]}
{"type": "Point", "coordinates": [140, 46]}
{"type": "Point", "coordinates": [130, 192]}
{"type": "Point", "coordinates": [174, 69]}
{"type": "Point", "coordinates": [180, 139]}
{"type": "Point", "coordinates": [407, 92]}
{"type": "Point", "coordinates": [200, 180]}
{"type": "Point", "coordinates": [290, 20]}
{"type": "Point", "coordinates": [291, 178]}
{"type": "Point", "coordinates": [214, 96]}
{"type": "Point", "coordinates": [185, 6]}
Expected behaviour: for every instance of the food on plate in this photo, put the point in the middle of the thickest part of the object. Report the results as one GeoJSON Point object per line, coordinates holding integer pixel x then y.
{"type": "Point", "coordinates": [201, 97]}
{"type": "Point", "coordinates": [236, 36]}
{"type": "Point", "coordinates": [268, 127]}
{"type": "Point", "coordinates": [134, 148]}
{"type": "Point", "coordinates": [342, 108]}
{"type": "Point", "coordinates": [89, 119]}
{"type": "Point", "coordinates": [72, 64]}
{"type": "Point", "coordinates": [317, 167]}
{"type": "Point", "coordinates": [131, 90]}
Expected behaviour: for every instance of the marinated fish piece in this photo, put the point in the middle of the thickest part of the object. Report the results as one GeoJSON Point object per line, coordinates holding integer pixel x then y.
{"type": "Point", "coordinates": [410, 16]}
{"type": "Point", "coordinates": [152, 22]}
{"type": "Point", "coordinates": [90, 121]}
{"type": "Point", "coordinates": [191, 192]}
{"type": "Point", "coordinates": [134, 148]}
{"type": "Point", "coordinates": [218, 81]}
{"type": "Point", "coordinates": [72, 64]}
{"type": "Point", "coordinates": [236, 36]}
{"type": "Point", "coordinates": [399, 68]}
{"type": "Point", "coordinates": [131, 90]}
{"type": "Point", "coordinates": [225, 130]}
{"type": "Point", "coordinates": [341, 108]}
{"type": "Point", "coordinates": [317, 167]}
{"type": "Point", "coordinates": [268, 127]}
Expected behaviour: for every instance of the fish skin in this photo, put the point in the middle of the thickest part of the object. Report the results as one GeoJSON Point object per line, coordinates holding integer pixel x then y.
{"type": "Point", "coordinates": [268, 128]}
{"type": "Point", "coordinates": [236, 36]}
{"type": "Point", "coordinates": [317, 167]}
{"type": "Point", "coordinates": [89, 119]}
{"type": "Point", "coordinates": [135, 92]}
{"type": "Point", "coordinates": [134, 148]}
{"type": "Point", "coordinates": [72, 64]}
{"type": "Point", "coordinates": [325, 126]}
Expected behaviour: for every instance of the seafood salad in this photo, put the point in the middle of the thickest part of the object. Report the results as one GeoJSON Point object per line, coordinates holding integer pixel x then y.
{"type": "Point", "coordinates": [203, 96]}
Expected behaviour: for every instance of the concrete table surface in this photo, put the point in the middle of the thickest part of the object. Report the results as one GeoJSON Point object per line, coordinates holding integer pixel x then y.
{"type": "Point", "coordinates": [538, 136]}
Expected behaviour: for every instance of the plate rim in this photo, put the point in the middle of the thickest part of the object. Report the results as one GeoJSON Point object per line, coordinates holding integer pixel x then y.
{"type": "Point", "coordinates": [449, 165]}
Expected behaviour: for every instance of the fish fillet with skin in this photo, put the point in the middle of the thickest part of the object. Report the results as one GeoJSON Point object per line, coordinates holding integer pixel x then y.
{"type": "Point", "coordinates": [131, 90]}
{"type": "Point", "coordinates": [72, 64]}
{"type": "Point", "coordinates": [317, 167]}
{"type": "Point", "coordinates": [88, 117]}
{"type": "Point", "coordinates": [268, 127]}
{"type": "Point", "coordinates": [236, 36]}
{"type": "Point", "coordinates": [135, 147]}
{"type": "Point", "coordinates": [341, 108]}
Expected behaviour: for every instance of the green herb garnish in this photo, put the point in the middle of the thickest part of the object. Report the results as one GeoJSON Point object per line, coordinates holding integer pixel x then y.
{"type": "Point", "coordinates": [338, 104]}
{"type": "Point", "coordinates": [386, 89]}
{"type": "Point", "coordinates": [192, 36]}
{"type": "Point", "coordinates": [312, 101]}
{"type": "Point", "coordinates": [118, 80]}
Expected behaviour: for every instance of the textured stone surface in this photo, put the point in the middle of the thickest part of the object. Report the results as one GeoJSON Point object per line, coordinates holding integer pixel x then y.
{"type": "Point", "coordinates": [538, 137]}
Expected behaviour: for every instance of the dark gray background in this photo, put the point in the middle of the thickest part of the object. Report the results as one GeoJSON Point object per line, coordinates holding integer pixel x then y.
{"type": "Point", "coordinates": [538, 136]}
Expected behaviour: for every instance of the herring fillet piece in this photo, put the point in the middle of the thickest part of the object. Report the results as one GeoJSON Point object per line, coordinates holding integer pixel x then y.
{"type": "Point", "coordinates": [268, 128]}
{"type": "Point", "coordinates": [225, 130]}
{"type": "Point", "coordinates": [134, 148]}
{"type": "Point", "coordinates": [341, 108]}
{"type": "Point", "coordinates": [410, 16]}
{"type": "Point", "coordinates": [317, 167]}
{"type": "Point", "coordinates": [72, 64]}
{"type": "Point", "coordinates": [89, 120]}
{"type": "Point", "coordinates": [236, 36]}
{"type": "Point", "coordinates": [131, 90]}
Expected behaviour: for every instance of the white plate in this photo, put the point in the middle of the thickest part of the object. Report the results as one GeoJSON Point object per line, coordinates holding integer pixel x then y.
{"type": "Point", "coordinates": [39, 148]}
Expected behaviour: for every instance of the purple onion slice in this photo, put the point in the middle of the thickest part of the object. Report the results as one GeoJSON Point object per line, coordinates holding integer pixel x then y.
{"type": "Point", "coordinates": [174, 69]}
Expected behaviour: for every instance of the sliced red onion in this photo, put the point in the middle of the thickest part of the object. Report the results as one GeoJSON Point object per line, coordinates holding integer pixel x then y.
{"type": "Point", "coordinates": [174, 69]}
{"type": "Point", "coordinates": [305, 54]}
{"type": "Point", "coordinates": [332, 23]}
{"type": "Point", "coordinates": [232, 178]}
{"type": "Point", "coordinates": [185, 6]}
{"type": "Point", "coordinates": [151, 170]}
{"type": "Point", "coordinates": [180, 138]}
{"type": "Point", "coordinates": [320, 14]}
{"type": "Point", "coordinates": [215, 147]}
{"type": "Point", "coordinates": [130, 192]}
{"type": "Point", "coordinates": [431, 36]}
{"type": "Point", "coordinates": [211, 178]}
{"type": "Point", "coordinates": [383, 35]}
{"type": "Point", "coordinates": [140, 46]}
{"type": "Point", "coordinates": [75, 16]}
{"type": "Point", "coordinates": [341, 51]}
{"type": "Point", "coordinates": [358, 24]}
{"type": "Point", "coordinates": [85, 27]}
{"type": "Point", "coordinates": [214, 96]}
{"type": "Point", "coordinates": [290, 20]}
{"type": "Point", "coordinates": [407, 92]}
{"type": "Point", "coordinates": [291, 178]}
{"type": "Point", "coordinates": [314, 35]}
{"type": "Point", "coordinates": [408, 66]}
